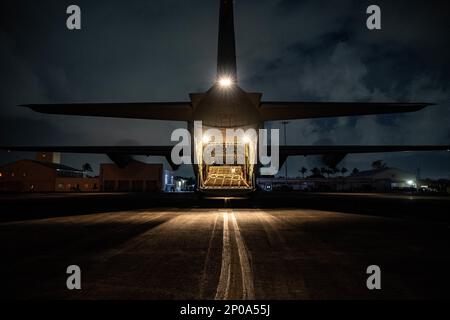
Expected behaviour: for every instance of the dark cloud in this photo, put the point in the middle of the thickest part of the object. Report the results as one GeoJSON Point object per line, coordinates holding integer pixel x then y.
{"type": "Point", "coordinates": [162, 50]}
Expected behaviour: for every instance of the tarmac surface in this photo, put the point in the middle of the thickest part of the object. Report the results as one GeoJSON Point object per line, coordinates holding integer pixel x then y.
{"type": "Point", "coordinates": [232, 250]}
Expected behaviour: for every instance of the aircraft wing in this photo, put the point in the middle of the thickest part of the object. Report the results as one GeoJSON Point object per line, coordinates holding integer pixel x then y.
{"type": "Point", "coordinates": [327, 150]}
{"type": "Point", "coordinates": [332, 155]}
{"type": "Point", "coordinates": [124, 150]}
{"type": "Point", "coordinates": [178, 111]}
{"type": "Point", "coordinates": [119, 154]}
{"type": "Point", "coordinates": [305, 110]}
{"type": "Point", "coordinates": [284, 150]}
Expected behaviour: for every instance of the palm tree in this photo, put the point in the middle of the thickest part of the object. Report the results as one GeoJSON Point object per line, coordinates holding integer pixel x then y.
{"type": "Point", "coordinates": [355, 171]}
{"type": "Point", "coordinates": [303, 170]}
{"type": "Point", "coordinates": [315, 171]}
{"type": "Point", "coordinates": [335, 170]}
{"type": "Point", "coordinates": [344, 171]}
{"type": "Point", "coordinates": [379, 164]}
{"type": "Point", "coordinates": [326, 171]}
{"type": "Point", "coordinates": [330, 172]}
{"type": "Point", "coordinates": [87, 167]}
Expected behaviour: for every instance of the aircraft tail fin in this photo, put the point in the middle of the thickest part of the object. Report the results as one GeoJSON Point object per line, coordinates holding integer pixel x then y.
{"type": "Point", "coordinates": [226, 51]}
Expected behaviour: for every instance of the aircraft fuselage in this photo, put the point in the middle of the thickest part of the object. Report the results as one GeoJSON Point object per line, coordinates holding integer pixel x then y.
{"type": "Point", "coordinates": [225, 106]}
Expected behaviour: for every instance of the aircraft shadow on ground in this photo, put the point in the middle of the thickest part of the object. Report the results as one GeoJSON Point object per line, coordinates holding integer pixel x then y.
{"type": "Point", "coordinates": [64, 244]}
{"type": "Point", "coordinates": [397, 207]}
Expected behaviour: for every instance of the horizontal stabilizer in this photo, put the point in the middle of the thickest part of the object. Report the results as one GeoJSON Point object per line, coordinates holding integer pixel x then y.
{"type": "Point", "coordinates": [304, 110]}
{"type": "Point", "coordinates": [176, 111]}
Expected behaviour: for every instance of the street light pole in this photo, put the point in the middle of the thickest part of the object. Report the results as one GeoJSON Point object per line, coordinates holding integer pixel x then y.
{"type": "Point", "coordinates": [285, 143]}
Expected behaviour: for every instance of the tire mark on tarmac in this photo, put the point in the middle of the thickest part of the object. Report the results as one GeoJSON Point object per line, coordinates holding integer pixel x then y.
{"type": "Point", "coordinates": [246, 271]}
{"type": "Point", "coordinates": [207, 259]}
{"type": "Point", "coordinates": [225, 270]}
{"type": "Point", "coordinates": [223, 288]}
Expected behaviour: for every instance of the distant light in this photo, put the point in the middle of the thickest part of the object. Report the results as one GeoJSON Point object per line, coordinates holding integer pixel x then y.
{"type": "Point", "coordinates": [225, 82]}
{"type": "Point", "coordinates": [410, 182]}
{"type": "Point", "coordinates": [206, 138]}
{"type": "Point", "coordinates": [247, 139]}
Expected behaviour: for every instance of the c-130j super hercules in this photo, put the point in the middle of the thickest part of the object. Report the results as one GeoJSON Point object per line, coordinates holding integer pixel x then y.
{"type": "Point", "coordinates": [226, 105]}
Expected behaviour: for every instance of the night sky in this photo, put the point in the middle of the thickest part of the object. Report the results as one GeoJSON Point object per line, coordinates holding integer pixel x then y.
{"type": "Point", "coordinates": [160, 50]}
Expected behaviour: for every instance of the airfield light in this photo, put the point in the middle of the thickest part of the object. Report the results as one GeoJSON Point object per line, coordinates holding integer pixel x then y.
{"type": "Point", "coordinates": [225, 82]}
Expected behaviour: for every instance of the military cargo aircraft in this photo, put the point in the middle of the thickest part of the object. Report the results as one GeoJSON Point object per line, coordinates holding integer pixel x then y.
{"type": "Point", "coordinates": [226, 105]}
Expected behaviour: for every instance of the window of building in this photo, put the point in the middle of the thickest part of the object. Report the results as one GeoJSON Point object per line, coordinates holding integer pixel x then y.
{"type": "Point", "coordinates": [24, 174]}
{"type": "Point", "coordinates": [12, 174]}
{"type": "Point", "coordinates": [1, 174]}
{"type": "Point", "coordinates": [60, 186]}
